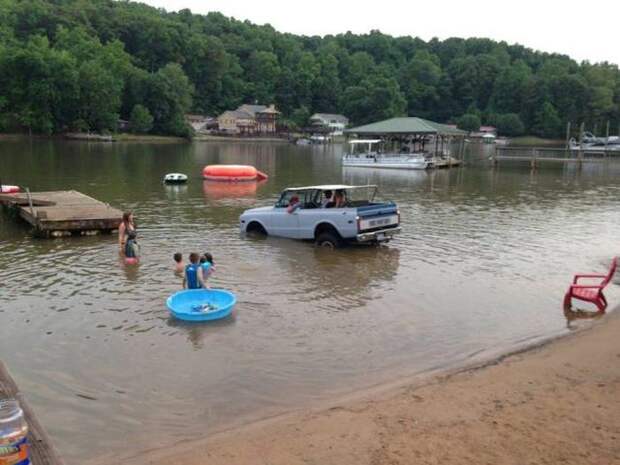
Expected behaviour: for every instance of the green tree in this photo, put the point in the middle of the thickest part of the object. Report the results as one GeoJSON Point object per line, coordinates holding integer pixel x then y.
{"type": "Point", "coordinates": [263, 72]}
{"type": "Point", "coordinates": [419, 81]}
{"type": "Point", "coordinates": [509, 89]}
{"type": "Point", "coordinates": [300, 116]}
{"type": "Point", "coordinates": [469, 122]}
{"type": "Point", "coordinates": [38, 86]}
{"type": "Point", "coordinates": [375, 99]}
{"type": "Point", "coordinates": [510, 124]}
{"type": "Point", "coordinates": [169, 98]}
{"type": "Point", "coordinates": [326, 86]}
{"type": "Point", "coordinates": [141, 120]}
{"type": "Point", "coordinates": [100, 96]}
{"type": "Point", "coordinates": [46, 47]}
{"type": "Point", "coordinates": [548, 122]}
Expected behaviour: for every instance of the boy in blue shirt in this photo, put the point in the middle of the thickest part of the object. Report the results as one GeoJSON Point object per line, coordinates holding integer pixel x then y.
{"type": "Point", "coordinates": [193, 277]}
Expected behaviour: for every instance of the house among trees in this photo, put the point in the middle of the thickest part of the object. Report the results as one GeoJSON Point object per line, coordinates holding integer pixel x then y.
{"type": "Point", "coordinates": [336, 123]}
{"type": "Point", "coordinates": [484, 130]}
{"type": "Point", "coordinates": [249, 119]}
{"type": "Point", "coordinates": [198, 122]}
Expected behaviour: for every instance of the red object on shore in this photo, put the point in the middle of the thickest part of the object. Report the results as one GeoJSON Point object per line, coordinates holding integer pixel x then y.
{"type": "Point", "coordinates": [591, 292]}
{"type": "Point", "coordinates": [4, 189]}
{"type": "Point", "coordinates": [232, 173]}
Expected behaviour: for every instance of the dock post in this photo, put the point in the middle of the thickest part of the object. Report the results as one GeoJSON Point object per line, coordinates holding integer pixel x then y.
{"type": "Point", "coordinates": [606, 137]}
{"type": "Point", "coordinates": [494, 160]}
{"type": "Point", "coordinates": [568, 139]}
{"type": "Point", "coordinates": [533, 161]}
{"type": "Point", "coordinates": [30, 202]}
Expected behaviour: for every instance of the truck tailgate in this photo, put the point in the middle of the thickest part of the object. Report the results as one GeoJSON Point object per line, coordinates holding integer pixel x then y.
{"type": "Point", "coordinates": [378, 216]}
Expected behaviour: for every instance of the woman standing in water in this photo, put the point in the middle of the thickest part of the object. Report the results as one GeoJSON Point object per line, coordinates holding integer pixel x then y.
{"type": "Point", "coordinates": [126, 226]}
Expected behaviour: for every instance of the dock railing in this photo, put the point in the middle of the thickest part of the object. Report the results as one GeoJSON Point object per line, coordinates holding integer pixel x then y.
{"type": "Point", "coordinates": [535, 155]}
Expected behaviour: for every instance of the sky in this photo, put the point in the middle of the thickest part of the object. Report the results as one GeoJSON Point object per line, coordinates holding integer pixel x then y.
{"type": "Point", "coordinates": [582, 30]}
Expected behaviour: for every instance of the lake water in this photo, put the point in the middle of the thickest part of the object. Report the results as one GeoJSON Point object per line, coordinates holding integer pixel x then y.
{"type": "Point", "coordinates": [480, 268]}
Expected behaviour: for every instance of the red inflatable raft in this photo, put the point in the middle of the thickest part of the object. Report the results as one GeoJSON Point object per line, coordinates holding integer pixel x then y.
{"type": "Point", "coordinates": [232, 173]}
{"type": "Point", "coordinates": [4, 189]}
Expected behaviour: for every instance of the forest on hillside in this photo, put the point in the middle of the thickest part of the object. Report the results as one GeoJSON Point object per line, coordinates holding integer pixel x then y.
{"type": "Point", "coordinates": [83, 64]}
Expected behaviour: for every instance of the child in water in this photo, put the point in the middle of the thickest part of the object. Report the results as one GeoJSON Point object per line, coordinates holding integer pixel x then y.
{"type": "Point", "coordinates": [193, 277]}
{"type": "Point", "coordinates": [207, 266]}
{"type": "Point", "coordinates": [178, 263]}
{"type": "Point", "coordinates": [132, 249]}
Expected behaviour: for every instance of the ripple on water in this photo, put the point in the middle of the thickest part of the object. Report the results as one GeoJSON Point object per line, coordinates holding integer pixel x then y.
{"type": "Point", "coordinates": [100, 356]}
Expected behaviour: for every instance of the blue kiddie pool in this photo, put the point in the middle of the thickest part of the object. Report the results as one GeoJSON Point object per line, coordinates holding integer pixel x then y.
{"type": "Point", "coordinates": [201, 304]}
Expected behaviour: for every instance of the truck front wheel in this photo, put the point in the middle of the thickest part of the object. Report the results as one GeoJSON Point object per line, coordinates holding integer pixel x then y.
{"type": "Point", "coordinates": [329, 240]}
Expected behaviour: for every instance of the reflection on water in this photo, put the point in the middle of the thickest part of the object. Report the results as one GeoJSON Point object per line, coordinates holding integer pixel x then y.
{"type": "Point", "coordinates": [574, 315]}
{"type": "Point", "coordinates": [480, 267]}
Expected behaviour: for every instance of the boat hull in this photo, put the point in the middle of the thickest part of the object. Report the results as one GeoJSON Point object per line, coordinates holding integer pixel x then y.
{"type": "Point", "coordinates": [390, 164]}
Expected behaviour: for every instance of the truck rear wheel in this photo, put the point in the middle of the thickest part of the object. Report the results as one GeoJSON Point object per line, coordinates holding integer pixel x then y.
{"type": "Point", "coordinates": [329, 240]}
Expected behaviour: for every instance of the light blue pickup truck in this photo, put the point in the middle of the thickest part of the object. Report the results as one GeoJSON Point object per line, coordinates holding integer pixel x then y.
{"type": "Point", "coordinates": [330, 215]}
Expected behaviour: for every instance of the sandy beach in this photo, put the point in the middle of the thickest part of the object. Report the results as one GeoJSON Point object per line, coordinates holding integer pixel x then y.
{"type": "Point", "coordinates": [557, 403]}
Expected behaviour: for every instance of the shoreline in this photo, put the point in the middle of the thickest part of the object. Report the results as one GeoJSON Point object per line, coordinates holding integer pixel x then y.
{"type": "Point", "coordinates": [138, 138]}
{"type": "Point", "coordinates": [533, 398]}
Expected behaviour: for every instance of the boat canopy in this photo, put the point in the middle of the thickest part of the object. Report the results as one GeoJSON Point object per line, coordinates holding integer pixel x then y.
{"type": "Point", "coordinates": [330, 187]}
{"type": "Point", "coordinates": [405, 126]}
{"type": "Point", "coordinates": [365, 141]}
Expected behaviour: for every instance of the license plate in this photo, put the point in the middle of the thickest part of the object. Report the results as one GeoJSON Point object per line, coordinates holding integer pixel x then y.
{"type": "Point", "coordinates": [380, 237]}
{"type": "Point", "coordinates": [380, 222]}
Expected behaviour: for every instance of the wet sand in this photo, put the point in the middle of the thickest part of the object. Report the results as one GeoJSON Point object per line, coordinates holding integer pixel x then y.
{"type": "Point", "coordinates": [557, 403]}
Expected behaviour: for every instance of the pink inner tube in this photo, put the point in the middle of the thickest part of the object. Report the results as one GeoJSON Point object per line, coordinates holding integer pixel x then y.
{"type": "Point", "coordinates": [5, 189]}
{"type": "Point", "coordinates": [232, 173]}
{"type": "Point", "coordinates": [131, 261]}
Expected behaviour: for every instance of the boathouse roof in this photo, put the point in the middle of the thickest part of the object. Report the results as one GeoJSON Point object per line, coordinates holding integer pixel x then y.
{"type": "Point", "coordinates": [404, 126]}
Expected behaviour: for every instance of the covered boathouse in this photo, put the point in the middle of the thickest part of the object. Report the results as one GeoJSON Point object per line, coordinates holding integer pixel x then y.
{"type": "Point", "coordinates": [444, 143]}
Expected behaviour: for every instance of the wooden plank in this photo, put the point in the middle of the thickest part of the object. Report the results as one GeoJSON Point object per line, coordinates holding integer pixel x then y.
{"type": "Point", "coordinates": [64, 211]}
{"type": "Point", "coordinates": [42, 451]}
{"type": "Point", "coordinates": [22, 199]}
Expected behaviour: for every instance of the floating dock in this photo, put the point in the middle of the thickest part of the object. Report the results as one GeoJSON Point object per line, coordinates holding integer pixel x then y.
{"type": "Point", "coordinates": [536, 155]}
{"type": "Point", "coordinates": [446, 162]}
{"type": "Point", "coordinates": [42, 452]}
{"type": "Point", "coordinates": [63, 213]}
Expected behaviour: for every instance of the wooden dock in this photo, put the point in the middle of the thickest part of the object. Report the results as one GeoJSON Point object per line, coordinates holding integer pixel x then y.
{"type": "Point", "coordinates": [446, 162]}
{"type": "Point", "coordinates": [42, 452]}
{"type": "Point", "coordinates": [63, 213]}
{"type": "Point", "coordinates": [535, 155]}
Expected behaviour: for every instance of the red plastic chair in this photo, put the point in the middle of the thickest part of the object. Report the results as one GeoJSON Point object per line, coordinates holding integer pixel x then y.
{"type": "Point", "coordinates": [591, 292]}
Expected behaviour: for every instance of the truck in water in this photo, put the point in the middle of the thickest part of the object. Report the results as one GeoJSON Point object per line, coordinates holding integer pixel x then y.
{"type": "Point", "coordinates": [329, 215]}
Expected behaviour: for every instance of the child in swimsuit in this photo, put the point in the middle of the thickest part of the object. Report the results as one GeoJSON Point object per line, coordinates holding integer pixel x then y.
{"type": "Point", "coordinates": [207, 266]}
{"type": "Point", "coordinates": [179, 267]}
{"type": "Point", "coordinates": [193, 279]}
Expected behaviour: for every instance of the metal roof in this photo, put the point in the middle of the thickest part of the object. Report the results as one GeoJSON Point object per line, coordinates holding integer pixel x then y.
{"type": "Point", "coordinates": [328, 187]}
{"type": "Point", "coordinates": [330, 116]}
{"type": "Point", "coordinates": [404, 126]}
{"type": "Point", "coordinates": [365, 141]}
{"type": "Point", "coordinates": [252, 108]}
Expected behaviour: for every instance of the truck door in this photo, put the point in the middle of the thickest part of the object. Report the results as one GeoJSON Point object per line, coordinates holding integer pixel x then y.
{"type": "Point", "coordinates": [285, 224]}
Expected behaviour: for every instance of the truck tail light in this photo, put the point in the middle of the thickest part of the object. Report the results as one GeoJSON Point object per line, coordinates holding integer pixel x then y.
{"type": "Point", "coordinates": [359, 223]}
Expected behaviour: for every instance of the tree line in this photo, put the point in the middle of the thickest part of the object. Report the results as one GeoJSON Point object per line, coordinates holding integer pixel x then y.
{"type": "Point", "coordinates": [69, 65]}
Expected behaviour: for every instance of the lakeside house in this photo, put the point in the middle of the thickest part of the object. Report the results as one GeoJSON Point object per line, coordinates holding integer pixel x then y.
{"type": "Point", "coordinates": [485, 131]}
{"type": "Point", "coordinates": [199, 122]}
{"type": "Point", "coordinates": [249, 119]}
{"type": "Point", "coordinates": [335, 123]}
